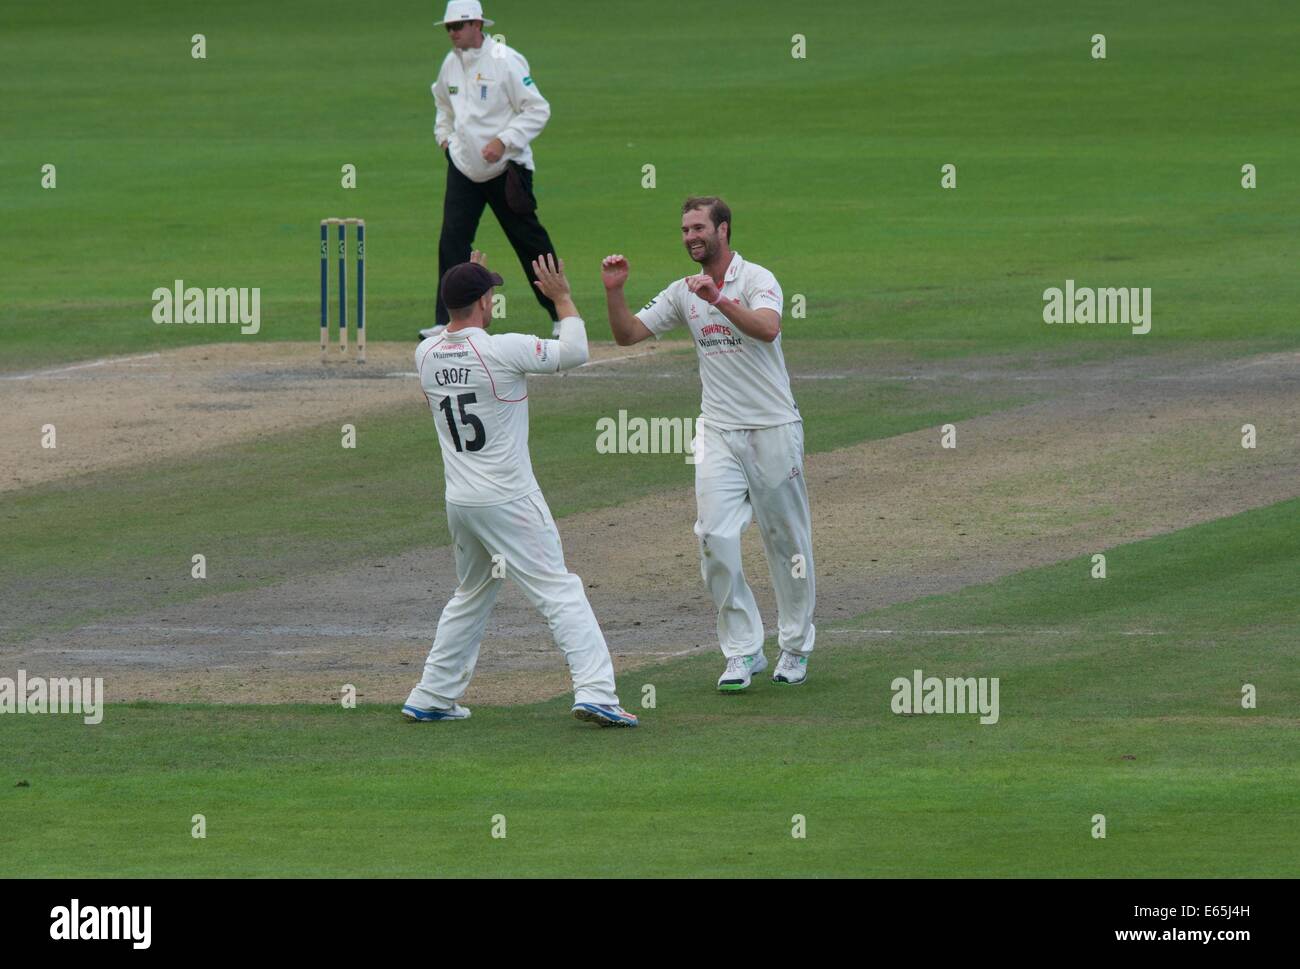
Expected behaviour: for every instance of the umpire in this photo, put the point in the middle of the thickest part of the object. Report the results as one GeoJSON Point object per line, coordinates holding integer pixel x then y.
{"type": "Point", "coordinates": [489, 111]}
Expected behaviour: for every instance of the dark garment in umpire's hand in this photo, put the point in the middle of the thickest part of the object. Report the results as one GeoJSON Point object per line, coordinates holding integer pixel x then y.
{"type": "Point", "coordinates": [519, 189]}
{"type": "Point", "coordinates": [514, 208]}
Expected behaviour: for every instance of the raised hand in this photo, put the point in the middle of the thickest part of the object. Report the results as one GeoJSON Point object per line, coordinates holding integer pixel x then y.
{"type": "Point", "coordinates": [550, 277]}
{"type": "Point", "coordinates": [614, 271]}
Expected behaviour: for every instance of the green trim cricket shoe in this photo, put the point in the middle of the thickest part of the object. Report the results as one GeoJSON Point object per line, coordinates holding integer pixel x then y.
{"type": "Point", "coordinates": [740, 671]}
{"type": "Point", "coordinates": [791, 668]}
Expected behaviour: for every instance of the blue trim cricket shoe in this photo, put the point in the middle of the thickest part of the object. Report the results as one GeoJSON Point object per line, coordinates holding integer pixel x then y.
{"type": "Point", "coordinates": [605, 716]}
{"type": "Point", "coordinates": [415, 714]}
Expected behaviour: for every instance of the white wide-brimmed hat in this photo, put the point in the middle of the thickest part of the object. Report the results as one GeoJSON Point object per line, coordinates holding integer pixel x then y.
{"type": "Point", "coordinates": [458, 10]}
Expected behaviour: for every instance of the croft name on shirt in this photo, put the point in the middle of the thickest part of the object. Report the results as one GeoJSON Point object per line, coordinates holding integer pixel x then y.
{"type": "Point", "coordinates": [451, 375]}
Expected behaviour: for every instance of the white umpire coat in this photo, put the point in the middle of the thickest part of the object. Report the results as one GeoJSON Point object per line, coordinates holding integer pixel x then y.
{"type": "Point", "coordinates": [488, 93]}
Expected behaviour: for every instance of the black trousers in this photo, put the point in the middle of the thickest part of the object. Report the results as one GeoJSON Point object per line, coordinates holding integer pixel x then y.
{"type": "Point", "coordinates": [462, 207]}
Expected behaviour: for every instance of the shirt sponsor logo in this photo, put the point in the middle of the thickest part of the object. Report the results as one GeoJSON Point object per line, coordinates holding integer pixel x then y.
{"type": "Point", "coordinates": [454, 89]}
{"type": "Point", "coordinates": [718, 335]}
{"type": "Point", "coordinates": [542, 350]}
{"type": "Point", "coordinates": [528, 80]}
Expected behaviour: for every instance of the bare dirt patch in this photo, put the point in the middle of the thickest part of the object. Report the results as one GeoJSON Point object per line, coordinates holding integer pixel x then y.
{"type": "Point", "coordinates": [1123, 451]}
{"type": "Point", "coordinates": [123, 411]}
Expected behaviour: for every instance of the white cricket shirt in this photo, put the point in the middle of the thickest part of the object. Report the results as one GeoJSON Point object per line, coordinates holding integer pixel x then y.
{"type": "Point", "coordinates": [744, 381]}
{"type": "Point", "coordinates": [487, 93]}
{"type": "Point", "coordinates": [477, 389]}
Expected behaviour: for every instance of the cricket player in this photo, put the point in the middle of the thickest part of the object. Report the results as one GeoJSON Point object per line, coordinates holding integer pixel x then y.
{"type": "Point", "coordinates": [488, 113]}
{"type": "Point", "coordinates": [749, 438]}
{"type": "Point", "coordinates": [476, 385]}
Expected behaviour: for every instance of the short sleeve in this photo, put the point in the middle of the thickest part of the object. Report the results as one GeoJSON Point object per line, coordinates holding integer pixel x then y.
{"type": "Point", "coordinates": [764, 293]}
{"type": "Point", "coordinates": [526, 354]}
{"type": "Point", "coordinates": [661, 314]}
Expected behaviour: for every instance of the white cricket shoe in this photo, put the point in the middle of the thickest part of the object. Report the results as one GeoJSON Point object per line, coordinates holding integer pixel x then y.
{"type": "Point", "coordinates": [434, 714]}
{"type": "Point", "coordinates": [790, 668]}
{"type": "Point", "coordinates": [740, 670]}
{"type": "Point", "coordinates": [432, 331]}
{"type": "Point", "coordinates": [604, 714]}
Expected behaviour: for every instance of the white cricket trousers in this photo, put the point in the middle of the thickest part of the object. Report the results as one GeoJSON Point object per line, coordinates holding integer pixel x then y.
{"type": "Point", "coordinates": [523, 533]}
{"type": "Point", "coordinates": [740, 476]}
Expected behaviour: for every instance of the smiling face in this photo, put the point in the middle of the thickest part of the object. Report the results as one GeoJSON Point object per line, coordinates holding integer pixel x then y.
{"type": "Point", "coordinates": [465, 34]}
{"type": "Point", "coordinates": [703, 240]}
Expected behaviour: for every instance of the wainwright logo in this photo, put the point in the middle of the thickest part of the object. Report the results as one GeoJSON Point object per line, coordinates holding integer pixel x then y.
{"type": "Point", "coordinates": [719, 335]}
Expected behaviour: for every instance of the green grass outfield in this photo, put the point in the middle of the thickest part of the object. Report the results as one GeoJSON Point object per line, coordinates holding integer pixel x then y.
{"type": "Point", "coordinates": [1122, 172]}
{"type": "Point", "coordinates": [1147, 730]}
